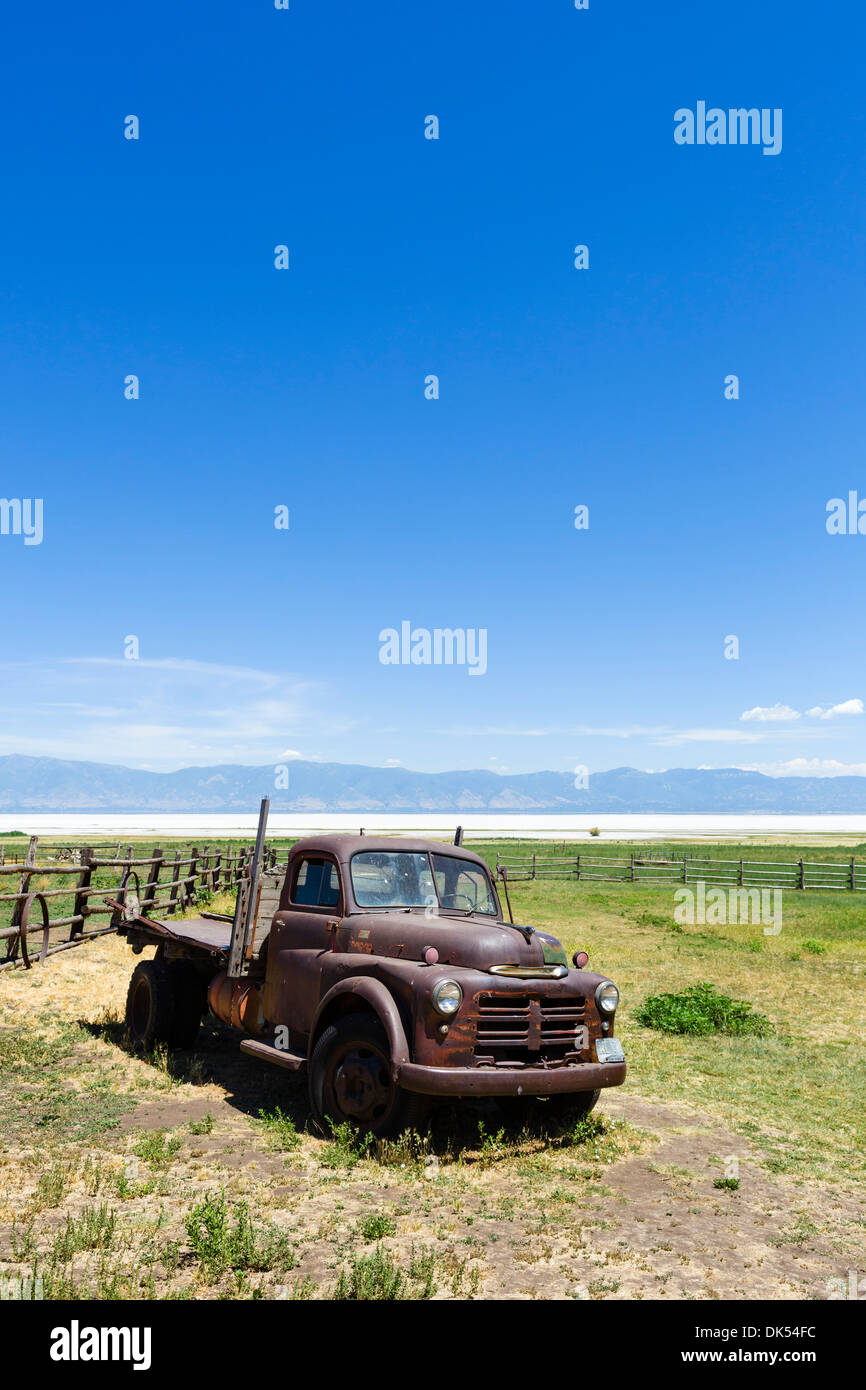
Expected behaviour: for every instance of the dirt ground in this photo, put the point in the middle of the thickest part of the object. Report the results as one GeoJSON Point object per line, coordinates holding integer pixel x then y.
{"type": "Point", "coordinates": [646, 1224]}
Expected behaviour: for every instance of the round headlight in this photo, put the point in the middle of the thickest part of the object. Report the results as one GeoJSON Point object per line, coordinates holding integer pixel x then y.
{"type": "Point", "coordinates": [607, 997]}
{"type": "Point", "coordinates": [447, 997]}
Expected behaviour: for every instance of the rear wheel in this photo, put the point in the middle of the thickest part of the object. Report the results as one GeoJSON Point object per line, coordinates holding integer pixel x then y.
{"type": "Point", "coordinates": [351, 1081]}
{"type": "Point", "coordinates": [164, 1004]}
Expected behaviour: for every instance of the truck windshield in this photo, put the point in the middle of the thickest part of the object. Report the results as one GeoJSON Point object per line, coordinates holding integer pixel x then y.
{"type": "Point", "coordinates": [387, 878]}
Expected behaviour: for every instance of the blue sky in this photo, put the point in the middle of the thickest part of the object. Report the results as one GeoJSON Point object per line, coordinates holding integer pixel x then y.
{"type": "Point", "coordinates": [306, 387]}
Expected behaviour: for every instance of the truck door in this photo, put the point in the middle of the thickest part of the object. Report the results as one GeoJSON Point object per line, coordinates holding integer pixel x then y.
{"type": "Point", "coordinates": [299, 936]}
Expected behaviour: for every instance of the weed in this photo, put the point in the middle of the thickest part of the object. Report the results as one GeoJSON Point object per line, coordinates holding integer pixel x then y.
{"type": "Point", "coordinates": [220, 1244]}
{"type": "Point", "coordinates": [422, 1268]}
{"type": "Point", "coordinates": [202, 1126]}
{"type": "Point", "coordinates": [49, 1187]}
{"type": "Point", "coordinates": [279, 1130]}
{"type": "Point", "coordinates": [491, 1146]}
{"type": "Point", "coordinates": [375, 1276]}
{"type": "Point", "coordinates": [23, 1242]}
{"type": "Point", "coordinates": [157, 1148]}
{"type": "Point", "coordinates": [374, 1227]}
{"type": "Point", "coordinates": [94, 1230]}
{"type": "Point", "coordinates": [346, 1147]}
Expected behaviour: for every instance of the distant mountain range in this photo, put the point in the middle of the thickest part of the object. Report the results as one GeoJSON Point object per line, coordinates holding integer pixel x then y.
{"type": "Point", "coordinates": [54, 785]}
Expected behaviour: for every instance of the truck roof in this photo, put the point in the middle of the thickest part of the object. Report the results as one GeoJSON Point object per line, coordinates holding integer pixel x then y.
{"type": "Point", "coordinates": [342, 847]}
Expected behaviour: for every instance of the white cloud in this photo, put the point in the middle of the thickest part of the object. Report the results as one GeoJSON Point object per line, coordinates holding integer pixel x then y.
{"type": "Point", "coordinates": [551, 731]}
{"type": "Point", "coordinates": [774, 714]}
{"type": "Point", "coordinates": [832, 711]}
{"type": "Point", "coordinates": [675, 737]}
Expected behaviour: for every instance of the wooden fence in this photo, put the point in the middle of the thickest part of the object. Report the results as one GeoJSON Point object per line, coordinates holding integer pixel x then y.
{"type": "Point", "coordinates": [163, 885]}
{"type": "Point", "coordinates": [733, 873]}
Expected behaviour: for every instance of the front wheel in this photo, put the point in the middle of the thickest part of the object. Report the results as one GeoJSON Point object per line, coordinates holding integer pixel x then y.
{"type": "Point", "coordinates": [351, 1081]}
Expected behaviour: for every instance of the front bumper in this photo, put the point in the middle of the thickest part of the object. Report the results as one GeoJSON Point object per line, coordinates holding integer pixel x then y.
{"type": "Point", "coordinates": [509, 1081]}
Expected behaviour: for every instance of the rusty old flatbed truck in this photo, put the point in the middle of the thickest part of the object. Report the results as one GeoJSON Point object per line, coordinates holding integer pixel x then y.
{"type": "Point", "coordinates": [383, 967]}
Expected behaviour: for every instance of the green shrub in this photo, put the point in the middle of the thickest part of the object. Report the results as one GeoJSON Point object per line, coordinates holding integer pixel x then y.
{"type": "Point", "coordinates": [376, 1226]}
{"type": "Point", "coordinates": [815, 948]}
{"type": "Point", "coordinates": [700, 1010]}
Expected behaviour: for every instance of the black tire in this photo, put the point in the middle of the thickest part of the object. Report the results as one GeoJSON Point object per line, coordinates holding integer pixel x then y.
{"type": "Point", "coordinates": [163, 1004]}
{"type": "Point", "coordinates": [350, 1081]}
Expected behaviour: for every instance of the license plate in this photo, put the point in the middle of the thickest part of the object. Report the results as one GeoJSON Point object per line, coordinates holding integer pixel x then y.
{"type": "Point", "coordinates": [609, 1050]}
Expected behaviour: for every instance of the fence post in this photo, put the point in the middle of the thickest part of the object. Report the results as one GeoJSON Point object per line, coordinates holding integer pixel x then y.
{"type": "Point", "coordinates": [83, 893]}
{"type": "Point", "coordinates": [204, 871]}
{"type": "Point", "coordinates": [217, 867]}
{"type": "Point", "coordinates": [533, 866]}
{"type": "Point", "coordinates": [632, 868]}
{"type": "Point", "coordinates": [192, 874]}
{"type": "Point", "coordinates": [685, 868]}
{"type": "Point", "coordinates": [802, 874]}
{"type": "Point", "coordinates": [853, 873]}
{"type": "Point", "coordinates": [740, 875]}
{"type": "Point", "coordinates": [175, 884]}
{"type": "Point", "coordinates": [578, 866]}
{"type": "Point", "coordinates": [152, 883]}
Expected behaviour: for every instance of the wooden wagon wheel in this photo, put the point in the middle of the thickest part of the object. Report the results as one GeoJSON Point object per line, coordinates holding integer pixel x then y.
{"type": "Point", "coordinates": [129, 896]}
{"type": "Point", "coordinates": [24, 926]}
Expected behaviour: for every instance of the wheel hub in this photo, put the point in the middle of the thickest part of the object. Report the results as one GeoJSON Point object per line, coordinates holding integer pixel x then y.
{"type": "Point", "coordinates": [362, 1084]}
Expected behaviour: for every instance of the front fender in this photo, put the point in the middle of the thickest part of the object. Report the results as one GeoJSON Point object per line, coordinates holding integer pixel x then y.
{"type": "Point", "coordinates": [380, 1000]}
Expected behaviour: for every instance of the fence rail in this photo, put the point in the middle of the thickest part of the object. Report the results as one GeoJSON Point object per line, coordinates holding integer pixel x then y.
{"type": "Point", "coordinates": [162, 883]}
{"type": "Point", "coordinates": [733, 873]}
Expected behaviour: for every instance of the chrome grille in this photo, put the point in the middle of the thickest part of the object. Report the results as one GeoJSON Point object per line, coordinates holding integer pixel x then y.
{"type": "Point", "coordinates": [522, 1030]}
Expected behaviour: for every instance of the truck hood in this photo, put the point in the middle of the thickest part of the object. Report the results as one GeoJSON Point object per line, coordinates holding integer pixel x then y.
{"type": "Point", "coordinates": [475, 943]}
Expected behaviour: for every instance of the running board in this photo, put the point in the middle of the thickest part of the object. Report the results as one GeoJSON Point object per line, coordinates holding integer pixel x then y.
{"type": "Point", "coordinates": [291, 1061]}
